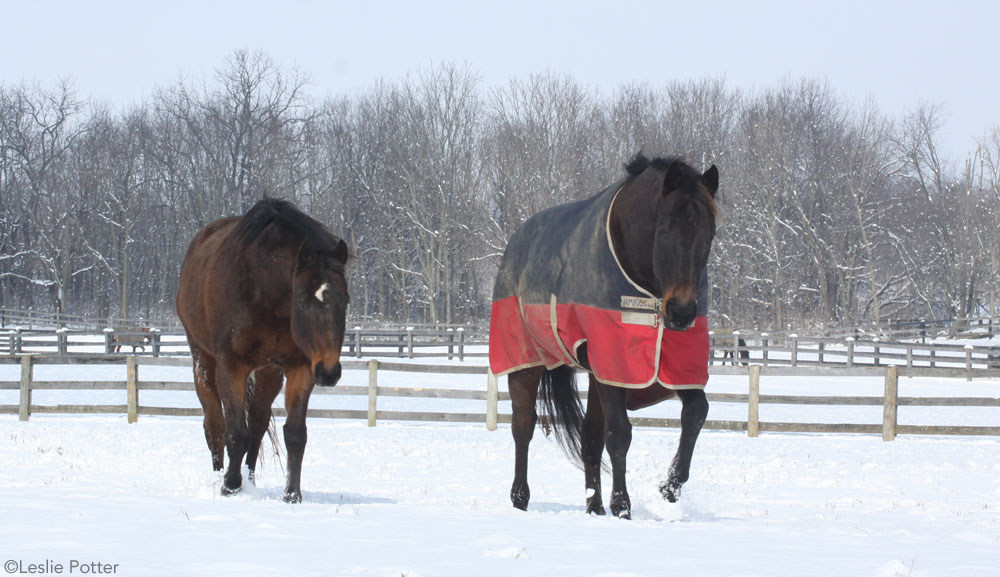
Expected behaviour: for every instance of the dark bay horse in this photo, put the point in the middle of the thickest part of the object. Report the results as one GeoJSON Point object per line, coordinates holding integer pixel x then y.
{"type": "Point", "coordinates": [614, 285]}
{"type": "Point", "coordinates": [266, 294]}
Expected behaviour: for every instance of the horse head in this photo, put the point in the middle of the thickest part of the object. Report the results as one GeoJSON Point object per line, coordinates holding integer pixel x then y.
{"type": "Point", "coordinates": [320, 308]}
{"type": "Point", "coordinates": [685, 227]}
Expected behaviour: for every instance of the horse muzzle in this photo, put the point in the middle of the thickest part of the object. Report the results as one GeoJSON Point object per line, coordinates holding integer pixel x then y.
{"type": "Point", "coordinates": [326, 377]}
{"type": "Point", "coordinates": [679, 316]}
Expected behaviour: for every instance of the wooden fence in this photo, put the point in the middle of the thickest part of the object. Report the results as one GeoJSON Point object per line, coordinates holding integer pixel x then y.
{"type": "Point", "coordinates": [133, 387]}
{"type": "Point", "coordinates": [946, 359]}
{"type": "Point", "coordinates": [407, 343]}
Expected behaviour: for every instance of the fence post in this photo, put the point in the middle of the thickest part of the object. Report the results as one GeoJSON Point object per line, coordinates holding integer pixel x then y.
{"type": "Point", "coordinates": [736, 348]}
{"type": "Point", "coordinates": [451, 344]}
{"type": "Point", "coordinates": [19, 340]}
{"type": "Point", "coordinates": [155, 336]}
{"type": "Point", "coordinates": [409, 342]}
{"type": "Point", "coordinates": [875, 340]}
{"type": "Point", "coordinates": [968, 362]}
{"type": "Point", "coordinates": [461, 344]}
{"type": "Point", "coordinates": [909, 356]}
{"type": "Point", "coordinates": [62, 343]}
{"type": "Point", "coordinates": [372, 390]}
{"type": "Point", "coordinates": [889, 403]}
{"type": "Point", "coordinates": [850, 351]}
{"type": "Point", "coordinates": [357, 342]}
{"type": "Point", "coordinates": [27, 368]}
{"type": "Point", "coordinates": [819, 357]}
{"type": "Point", "coordinates": [763, 344]}
{"type": "Point", "coordinates": [795, 349]}
{"type": "Point", "coordinates": [492, 399]}
{"type": "Point", "coordinates": [753, 402]}
{"type": "Point", "coordinates": [132, 386]}
{"type": "Point", "coordinates": [109, 340]}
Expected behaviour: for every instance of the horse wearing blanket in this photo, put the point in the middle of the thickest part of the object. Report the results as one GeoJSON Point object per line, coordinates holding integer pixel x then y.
{"type": "Point", "coordinates": [614, 285]}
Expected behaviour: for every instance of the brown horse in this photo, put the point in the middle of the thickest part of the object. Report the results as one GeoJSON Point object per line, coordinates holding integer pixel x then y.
{"type": "Point", "coordinates": [266, 294]}
{"type": "Point", "coordinates": [614, 285]}
{"type": "Point", "coordinates": [136, 339]}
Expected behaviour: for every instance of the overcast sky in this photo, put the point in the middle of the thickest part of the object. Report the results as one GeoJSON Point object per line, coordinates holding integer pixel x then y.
{"type": "Point", "coordinates": [900, 54]}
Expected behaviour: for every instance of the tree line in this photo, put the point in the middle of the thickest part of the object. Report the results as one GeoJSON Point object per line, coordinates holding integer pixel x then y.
{"type": "Point", "coordinates": [833, 213]}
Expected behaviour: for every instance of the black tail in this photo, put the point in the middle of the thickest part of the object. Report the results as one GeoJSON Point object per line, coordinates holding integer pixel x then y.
{"type": "Point", "coordinates": [560, 404]}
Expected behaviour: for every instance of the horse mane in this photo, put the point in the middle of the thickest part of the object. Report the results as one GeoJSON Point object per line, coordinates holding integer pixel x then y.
{"type": "Point", "coordinates": [640, 163]}
{"type": "Point", "coordinates": [284, 214]}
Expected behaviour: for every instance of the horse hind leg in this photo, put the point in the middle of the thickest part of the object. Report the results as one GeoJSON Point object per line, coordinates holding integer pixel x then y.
{"type": "Point", "coordinates": [263, 387]}
{"type": "Point", "coordinates": [693, 415]}
{"type": "Point", "coordinates": [211, 404]}
{"type": "Point", "coordinates": [592, 449]}
{"type": "Point", "coordinates": [523, 388]}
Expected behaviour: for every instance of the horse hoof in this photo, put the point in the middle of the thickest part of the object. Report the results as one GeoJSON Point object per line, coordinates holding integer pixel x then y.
{"type": "Point", "coordinates": [228, 492]}
{"type": "Point", "coordinates": [671, 491]}
{"type": "Point", "coordinates": [292, 497]}
{"type": "Point", "coordinates": [596, 509]}
{"type": "Point", "coordinates": [519, 497]}
{"type": "Point", "coordinates": [624, 514]}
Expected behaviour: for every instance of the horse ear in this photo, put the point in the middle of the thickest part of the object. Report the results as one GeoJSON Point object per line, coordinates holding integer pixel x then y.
{"type": "Point", "coordinates": [711, 180]}
{"type": "Point", "coordinates": [307, 254]}
{"type": "Point", "coordinates": [341, 253]}
{"type": "Point", "coordinates": [672, 180]}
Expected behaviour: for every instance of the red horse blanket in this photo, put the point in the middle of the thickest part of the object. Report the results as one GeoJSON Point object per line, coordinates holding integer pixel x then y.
{"type": "Point", "coordinates": [560, 285]}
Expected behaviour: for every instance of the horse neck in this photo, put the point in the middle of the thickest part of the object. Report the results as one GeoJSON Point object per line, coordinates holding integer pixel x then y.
{"type": "Point", "coordinates": [271, 272]}
{"type": "Point", "coordinates": [633, 228]}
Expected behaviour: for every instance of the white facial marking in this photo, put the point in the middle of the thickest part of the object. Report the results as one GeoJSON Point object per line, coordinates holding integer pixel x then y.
{"type": "Point", "coordinates": [321, 293]}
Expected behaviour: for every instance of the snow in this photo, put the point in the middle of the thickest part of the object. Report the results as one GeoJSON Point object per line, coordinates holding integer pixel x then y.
{"type": "Point", "coordinates": [421, 499]}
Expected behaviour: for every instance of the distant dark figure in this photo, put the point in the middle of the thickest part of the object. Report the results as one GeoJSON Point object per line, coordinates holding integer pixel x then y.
{"type": "Point", "coordinates": [744, 354]}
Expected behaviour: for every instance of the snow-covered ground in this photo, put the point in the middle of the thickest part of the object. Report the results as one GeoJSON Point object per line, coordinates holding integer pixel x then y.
{"type": "Point", "coordinates": [409, 499]}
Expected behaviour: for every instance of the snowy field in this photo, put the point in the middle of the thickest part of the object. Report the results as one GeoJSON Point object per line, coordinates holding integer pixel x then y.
{"type": "Point", "coordinates": [408, 499]}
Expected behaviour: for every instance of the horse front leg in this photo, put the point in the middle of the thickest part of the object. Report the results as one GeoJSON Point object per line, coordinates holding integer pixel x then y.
{"type": "Point", "coordinates": [693, 415]}
{"type": "Point", "coordinates": [592, 449]}
{"type": "Point", "coordinates": [523, 388]}
{"type": "Point", "coordinates": [617, 439]}
{"type": "Point", "coordinates": [231, 379]}
{"type": "Point", "coordinates": [266, 384]}
{"type": "Point", "coordinates": [298, 387]}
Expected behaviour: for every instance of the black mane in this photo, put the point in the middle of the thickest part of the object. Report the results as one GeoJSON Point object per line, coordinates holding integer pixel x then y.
{"type": "Point", "coordinates": [284, 214]}
{"type": "Point", "coordinates": [640, 163]}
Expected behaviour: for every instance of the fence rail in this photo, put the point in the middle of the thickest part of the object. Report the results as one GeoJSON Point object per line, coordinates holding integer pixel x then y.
{"type": "Point", "coordinates": [491, 395]}
{"type": "Point", "coordinates": [943, 359]}
{"type": "Point", "coordinates": [899, 329]}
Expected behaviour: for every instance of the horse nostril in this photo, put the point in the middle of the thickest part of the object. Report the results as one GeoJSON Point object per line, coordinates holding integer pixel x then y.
{"type": "Point", "coordinates": [327, 377]}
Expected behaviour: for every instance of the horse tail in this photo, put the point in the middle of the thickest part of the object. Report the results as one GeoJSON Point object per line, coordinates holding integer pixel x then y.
{"type": "Point", "coordinates": [562, 410]}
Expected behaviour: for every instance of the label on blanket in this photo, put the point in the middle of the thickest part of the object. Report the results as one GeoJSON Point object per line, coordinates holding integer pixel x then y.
{"type": "Point", "coordinates": [645, 303]}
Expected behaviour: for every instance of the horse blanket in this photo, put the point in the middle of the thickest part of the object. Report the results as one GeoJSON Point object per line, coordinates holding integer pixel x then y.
{"type": "Point", "coordinates": [560, 285]}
